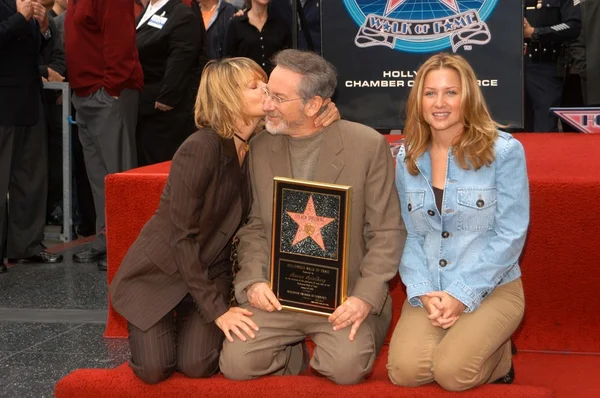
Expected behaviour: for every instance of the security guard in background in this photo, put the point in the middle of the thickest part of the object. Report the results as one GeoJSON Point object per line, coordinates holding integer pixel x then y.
{"type": "Point", "coordinates": [548, 26]}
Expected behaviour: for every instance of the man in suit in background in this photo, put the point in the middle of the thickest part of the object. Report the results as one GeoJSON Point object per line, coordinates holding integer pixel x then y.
{"type": "Point", "coordinates": [23, 175]}
{"type": "Point", "coordinates": [586, 52]}
{"type": "Point", "coordinates": [344, 153]}
{"type": "Point", "coordinates": [106, 76]}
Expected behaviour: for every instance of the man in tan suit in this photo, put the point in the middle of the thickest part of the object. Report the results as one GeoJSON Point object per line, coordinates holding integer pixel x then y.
{"type": "Point", "coordinates": [348, 341]}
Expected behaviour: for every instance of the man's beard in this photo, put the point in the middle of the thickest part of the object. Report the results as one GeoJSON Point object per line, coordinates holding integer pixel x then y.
{"type": "Point", "coordinates": [284, 126]}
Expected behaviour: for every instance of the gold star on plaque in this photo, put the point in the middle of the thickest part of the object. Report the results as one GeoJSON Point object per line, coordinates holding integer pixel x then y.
{"type": "Point", "coordinates": [309, 224]}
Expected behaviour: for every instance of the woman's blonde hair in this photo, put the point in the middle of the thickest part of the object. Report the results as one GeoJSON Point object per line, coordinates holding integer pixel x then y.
{"type": "Point", "coordinates": [473, 148]}
{"type": "Point", "coordinates": [220, 99]}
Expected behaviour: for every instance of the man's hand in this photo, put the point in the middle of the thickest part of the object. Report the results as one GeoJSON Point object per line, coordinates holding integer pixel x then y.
{"type": "Point", "coordinates": [527, 29]}
{"type": "Point", "coordinates": [40, 15]}
{"type": "Point", "coordinates": [25, 8]}
{"type": "Point", "coordinates": [162, 107]}
{"type": "Point", "coordinates": [261, 296]}
{"type": "Point", "coordinates": [54, 76]}
{"type": "Point", "coordinates": [329, 115]}
{"type": "Point", "coordinates": [235, 320]}
{"type": "Point", "coordinates": [353, 312]}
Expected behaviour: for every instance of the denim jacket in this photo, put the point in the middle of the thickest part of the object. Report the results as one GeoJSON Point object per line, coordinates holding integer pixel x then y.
{"type": "Point", "coordinates": [475, 243]}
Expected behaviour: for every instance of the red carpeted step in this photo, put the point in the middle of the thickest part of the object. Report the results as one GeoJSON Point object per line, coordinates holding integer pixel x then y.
{"type": "Point", "coordinates": [121, 383]}
{"type": "Point", "coordinates": [560, 271]}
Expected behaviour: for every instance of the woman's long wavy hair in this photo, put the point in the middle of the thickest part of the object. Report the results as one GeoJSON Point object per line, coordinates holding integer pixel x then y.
{"type": "Point", "coordinates": [220, 99]}
{"type": "Point", "coordinates": [474, 147]}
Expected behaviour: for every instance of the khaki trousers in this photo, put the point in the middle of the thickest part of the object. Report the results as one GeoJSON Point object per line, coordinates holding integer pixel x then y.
{"type": "Point", "coordinates": [474, 351]}
{"type": "Point", "coordinates": [279, 348]}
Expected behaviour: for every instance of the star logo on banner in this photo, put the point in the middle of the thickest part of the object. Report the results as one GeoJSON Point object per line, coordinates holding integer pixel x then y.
{"type": "Point", "coordinates": [309, 224]}
{"type": "Point", "coordinates": [393, 4]}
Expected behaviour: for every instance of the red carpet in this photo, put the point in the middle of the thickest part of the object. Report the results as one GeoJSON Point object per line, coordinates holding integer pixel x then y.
{"type": "Point", "coordinates": [560, 276]}
{"type": "Point", "coordinates": [99, 383]}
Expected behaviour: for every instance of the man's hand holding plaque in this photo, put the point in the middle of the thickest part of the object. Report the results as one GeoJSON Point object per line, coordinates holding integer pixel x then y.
{"type": "Point", "coordinates": [352, 312]}
{"type": "Point", "coordinates": [261, 296]}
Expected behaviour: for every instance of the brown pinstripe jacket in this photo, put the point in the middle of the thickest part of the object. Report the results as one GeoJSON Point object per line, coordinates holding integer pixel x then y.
{"type": "Point", "coordinates": [184, 246]}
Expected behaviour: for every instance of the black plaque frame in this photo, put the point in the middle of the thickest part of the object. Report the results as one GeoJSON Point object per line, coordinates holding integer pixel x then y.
{"type": "Point", "coordinates": [313, 281]}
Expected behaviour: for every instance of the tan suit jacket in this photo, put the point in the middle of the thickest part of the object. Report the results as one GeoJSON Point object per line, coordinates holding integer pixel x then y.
{"type": "Point", "coordinates": [185, 246]}
{"type": "Point", "coordinates": [350, 154]}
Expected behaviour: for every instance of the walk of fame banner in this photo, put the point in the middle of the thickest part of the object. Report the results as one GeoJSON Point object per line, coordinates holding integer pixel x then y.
{"type": "Point", "coordinates": [309, 247]}
{"type": "Point", "coordinates": [378, 45]}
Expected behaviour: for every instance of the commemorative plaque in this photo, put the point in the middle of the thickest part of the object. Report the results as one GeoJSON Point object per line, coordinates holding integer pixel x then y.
{"type": "Point", "coordinates": [309, 247]}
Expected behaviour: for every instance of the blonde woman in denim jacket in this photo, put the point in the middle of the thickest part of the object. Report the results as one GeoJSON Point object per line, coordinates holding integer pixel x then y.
{"type": "Point", "coordinates": [465, 202]}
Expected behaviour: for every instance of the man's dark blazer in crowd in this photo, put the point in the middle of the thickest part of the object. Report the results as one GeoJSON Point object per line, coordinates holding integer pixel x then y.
{"type": "Point", "coordinates": [20, 80]}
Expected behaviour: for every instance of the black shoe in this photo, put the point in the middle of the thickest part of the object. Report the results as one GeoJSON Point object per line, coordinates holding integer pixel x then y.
{"type": "Point", "coordinates": [507, 378]}
{"type": "Point", "coordinates": [102, 265]}
{"type": "Point", "coordinates": [42, 257]}
{"type": "Point", "coordinates": [3, 268]}
{"type": "Point", "coordinates": [89, 256]}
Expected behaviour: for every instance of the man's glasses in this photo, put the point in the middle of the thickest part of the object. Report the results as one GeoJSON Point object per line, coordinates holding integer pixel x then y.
{"type": "Point", "coordinates": [274, 97]}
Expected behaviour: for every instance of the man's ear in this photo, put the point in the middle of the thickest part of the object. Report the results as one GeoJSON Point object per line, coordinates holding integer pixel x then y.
{"type": "Point", "coordinates": [313, 106]}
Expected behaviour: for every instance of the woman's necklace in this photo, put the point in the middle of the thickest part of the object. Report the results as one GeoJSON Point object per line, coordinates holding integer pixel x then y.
{"type": "Point", "coordinates": [245, 146]}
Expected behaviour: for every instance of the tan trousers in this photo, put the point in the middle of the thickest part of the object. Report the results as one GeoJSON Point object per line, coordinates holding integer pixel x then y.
{"type": "Point", "coordinates": [474, 351]}
{"type": "Point", "coordinates": [278, 348]}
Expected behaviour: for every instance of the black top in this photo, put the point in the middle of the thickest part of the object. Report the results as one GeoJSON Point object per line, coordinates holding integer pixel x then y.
{"type": "Point", "coordinates": [439, 197]}
{"type": "Point", "coordinates": [169, 57]}
{"type": "Point", "coordinates": [20, 80]}
{"type": "Point", "coordinates": [245, 40]}
{"type": "Point", "coordinates": [555, 20]}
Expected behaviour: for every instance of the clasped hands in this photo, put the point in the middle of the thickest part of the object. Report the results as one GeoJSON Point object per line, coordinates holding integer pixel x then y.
{"type": "Point", "coordinates": [351, 313]}
{"type": "Point", "coordinates": [444, 310]}
{"type": "Point", "coordinates": [33, 8]}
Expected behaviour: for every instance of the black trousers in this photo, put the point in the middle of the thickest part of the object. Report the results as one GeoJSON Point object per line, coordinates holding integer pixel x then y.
{"type": "Point", "coordinates": [24, 177]}
{"type": "Point", "coordinates": [543, 90]}
{"type": "Point", "coordinates": [159, 134]}
{"type": "Point", "coordinates": [54, 133]}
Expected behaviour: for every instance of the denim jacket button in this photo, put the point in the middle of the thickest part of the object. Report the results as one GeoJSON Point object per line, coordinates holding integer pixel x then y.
{"type": "Point", "coordinates": [445, 234]}
{"type": "Point", "coordinates": [443, 263]}
{"type": "Point", "coordinates": [409, 207]}
{"type": "Point", "coordinates": [480, 203]}
{"type": "Point", "coordinates": [431, 212]}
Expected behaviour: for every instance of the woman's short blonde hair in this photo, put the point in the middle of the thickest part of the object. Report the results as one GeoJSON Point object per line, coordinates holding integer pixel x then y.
{"type": "Point", "coordinates": [474, 148]}
{"type": "Point", "coordinates": [220, 99]}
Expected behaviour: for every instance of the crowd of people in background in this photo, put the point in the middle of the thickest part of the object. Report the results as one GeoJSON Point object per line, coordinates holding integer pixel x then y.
{"type": "Point", "coordinates": [134, 67]}
{"type": "Point", "coordinates": [134, 84]}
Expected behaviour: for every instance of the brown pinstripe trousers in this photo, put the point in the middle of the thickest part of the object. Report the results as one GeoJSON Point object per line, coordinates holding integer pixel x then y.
{"type": "Point", "coordinates": [181, 341]}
